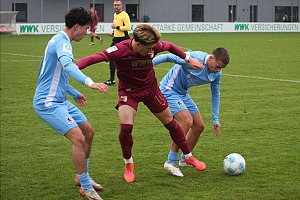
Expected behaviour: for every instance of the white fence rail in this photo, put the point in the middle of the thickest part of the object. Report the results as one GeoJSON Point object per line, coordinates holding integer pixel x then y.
{"type": "Point", "coordinates": [104, 28]}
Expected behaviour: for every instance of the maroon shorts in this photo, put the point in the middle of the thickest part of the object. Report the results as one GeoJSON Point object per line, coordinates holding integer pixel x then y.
{"type": "Point", "coordinates": [93, 29]}
{"type": "Point", "coordinates": [151, 97]}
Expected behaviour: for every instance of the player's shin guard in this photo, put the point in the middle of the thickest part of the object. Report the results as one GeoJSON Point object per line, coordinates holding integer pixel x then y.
{"type": "Point", "coordinates": [177, 136]}
{"type": "Point", "coordinates": [126, 140]}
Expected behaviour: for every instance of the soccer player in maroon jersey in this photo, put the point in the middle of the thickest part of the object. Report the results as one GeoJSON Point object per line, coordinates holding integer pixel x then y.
{"type": "Point", "coordinates": [93, 27]}
{"type": "Point", "coordinates": [137, 83]}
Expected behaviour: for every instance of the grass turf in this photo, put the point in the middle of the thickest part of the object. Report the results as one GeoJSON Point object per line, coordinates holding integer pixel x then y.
{"type": "Point", "coordinates": [259, 115]}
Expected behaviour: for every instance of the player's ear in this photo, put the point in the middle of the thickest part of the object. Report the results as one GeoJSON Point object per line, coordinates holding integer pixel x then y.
{"type": "Point", "coordinates": [137, 43]}
{"type": "Point", "coordinates": [76, 26]}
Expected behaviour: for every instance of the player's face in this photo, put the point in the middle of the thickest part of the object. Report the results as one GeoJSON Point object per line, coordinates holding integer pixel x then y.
{"type": "Point", "coordinates": [215, 65]}
{"type": "Point", "coordinates": [144, 50]}
{"type": "Point", "coordinates": [118, 6]}
{"type": "Point", "coordinates": [80, 32]}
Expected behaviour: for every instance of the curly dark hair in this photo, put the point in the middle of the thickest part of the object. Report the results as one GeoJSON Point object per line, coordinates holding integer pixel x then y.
{"type": "Point", "coordinates": [77, 16]}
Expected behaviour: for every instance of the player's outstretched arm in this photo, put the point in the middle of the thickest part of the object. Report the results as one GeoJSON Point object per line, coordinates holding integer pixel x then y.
{"type": "Point", "coordinates": [90, 60]}
{"type": "Point", "coordinates": [172, 48]}
{"type": "Point", "coordinates": [167, 58]}
{"type": "Point", "coordinates": [75, 73]}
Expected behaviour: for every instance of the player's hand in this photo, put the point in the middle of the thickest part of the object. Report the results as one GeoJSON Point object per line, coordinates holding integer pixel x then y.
{"type": "Point", "coordinates": [111, 34]}
{"type": "Point", "coordinates": [113, 26]}
{"type": "Point", "coordinates": [100, 86]}
{"type": "Point", "coordinates": [194, 63]}
{"type": "Point", "coordinates": [81, 100]}
{"type": "Point", "coordinates": [217, 129]}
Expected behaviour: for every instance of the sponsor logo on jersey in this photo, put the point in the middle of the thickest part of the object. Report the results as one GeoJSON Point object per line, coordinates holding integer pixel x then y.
{"type": "Point", "coordinates": [141, 63]}
{"type": "Point", "coordinates": [112, 49]}
{"type": "Point", "coordinates": [67, 48]}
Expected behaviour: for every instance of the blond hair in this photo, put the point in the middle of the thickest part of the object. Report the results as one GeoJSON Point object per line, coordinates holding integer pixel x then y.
{"type": "Point", "coordinates": [146, 34]}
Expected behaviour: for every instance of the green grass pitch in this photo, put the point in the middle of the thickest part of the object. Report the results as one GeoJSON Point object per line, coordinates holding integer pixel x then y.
{"type": "Point", "coordinates": [259, 115]}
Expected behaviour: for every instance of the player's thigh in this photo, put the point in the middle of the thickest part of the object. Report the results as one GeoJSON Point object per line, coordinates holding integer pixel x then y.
{"type": "Point", "coordinates": [75, 136]}
{"type": "Point", "coordinates": [126, 114]}
{"type": "Point", "coordinates": [194, 111]}
{"type": "Point", "coordinates": [184, 118]}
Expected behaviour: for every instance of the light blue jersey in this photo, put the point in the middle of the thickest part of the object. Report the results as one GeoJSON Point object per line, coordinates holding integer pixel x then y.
{"type": "Point", "coordinates": [55, 70]}
{"type": "Point", "coordinates": [181, 77]}
{"type": "Point", "coordinates": [50, 99]}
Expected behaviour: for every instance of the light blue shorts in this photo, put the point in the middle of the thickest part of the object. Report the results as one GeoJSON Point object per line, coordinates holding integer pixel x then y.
{"type": "Point", "coordinates": [178, 102]}
{"type": "Point", "coordinates": [62, 117]}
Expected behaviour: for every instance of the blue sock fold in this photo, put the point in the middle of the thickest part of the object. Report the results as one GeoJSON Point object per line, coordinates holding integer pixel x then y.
{"type": "Point", "coordinates": [172, 157]}
{"type": "Point", "coordinates": [85, 180]}
{"type": "Point", "coordinates": [182, 158]}
{"type": "Point", "coordinates": [87, 164]}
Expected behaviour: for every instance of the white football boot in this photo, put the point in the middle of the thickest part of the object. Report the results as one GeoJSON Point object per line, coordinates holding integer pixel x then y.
{"type": "Point", "coordinates": [173, 169]}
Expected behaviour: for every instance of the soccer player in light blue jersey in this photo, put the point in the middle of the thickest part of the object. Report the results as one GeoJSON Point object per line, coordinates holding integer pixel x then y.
{"type": "Point", "coordinates": [175, 87]}
{"type": "Point", "coordinates": [50, 99]}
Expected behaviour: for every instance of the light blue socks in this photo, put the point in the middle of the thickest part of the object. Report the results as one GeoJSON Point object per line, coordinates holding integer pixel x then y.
{"type": "Point", "coordinates": [84, 178]}
{"type": "Point", "coordinates": [87, 164]}
{"type": "Point", "coordinates": [172, 157]}
{"type": "Point", "coordinates": [85, 181]}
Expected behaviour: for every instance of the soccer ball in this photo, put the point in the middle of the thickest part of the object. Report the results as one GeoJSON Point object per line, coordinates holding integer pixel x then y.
{"type": "Point", "coordinates": [234, 164]}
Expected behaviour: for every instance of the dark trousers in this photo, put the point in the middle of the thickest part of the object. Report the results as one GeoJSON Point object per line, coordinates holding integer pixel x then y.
{"type": "Point", "coordinates": [112, 67]}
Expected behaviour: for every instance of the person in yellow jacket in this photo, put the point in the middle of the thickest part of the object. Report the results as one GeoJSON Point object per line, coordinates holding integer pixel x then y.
{"type": "Point", "coordinates": [121, 27]}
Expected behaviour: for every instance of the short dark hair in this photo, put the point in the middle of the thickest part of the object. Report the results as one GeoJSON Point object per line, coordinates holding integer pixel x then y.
{"type": "Point", "coordinates": [221, 54]}
{"type": "Point", "coordinates": [77, 16]}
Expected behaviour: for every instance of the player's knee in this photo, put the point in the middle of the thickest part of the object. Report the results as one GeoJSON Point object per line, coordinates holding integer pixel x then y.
{"type": "Point", "coordinates": [126, 129]}
{"type": "Point", "coordinates": [199, 127]}
{"type": "Point", "coordinates": [79, 140]}
{"type": "Point", "coordinates": [125, 138]}
{"type": "Point", "coordinates": [88, 131]}
{"type": "Point", "coordinates": [186, 123]}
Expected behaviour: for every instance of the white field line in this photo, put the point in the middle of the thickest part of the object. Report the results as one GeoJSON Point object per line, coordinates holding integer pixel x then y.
{"type": "Point", "coordinates": [232, 75]}
{"type": "Point", "coordinates": [10, 61]}
{"type": "Point", "coordinates": [243, 76]}
{"type": "Point", "coordinates": [263, 78]}
{"type": "Point", "coordinates": [24, 55]}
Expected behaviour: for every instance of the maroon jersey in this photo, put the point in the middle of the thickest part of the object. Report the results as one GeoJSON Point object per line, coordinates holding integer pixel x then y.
{"type": "Point", "coordinates": [135, 72]}
{"type": "Point", "coordinates": [95, 21]}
